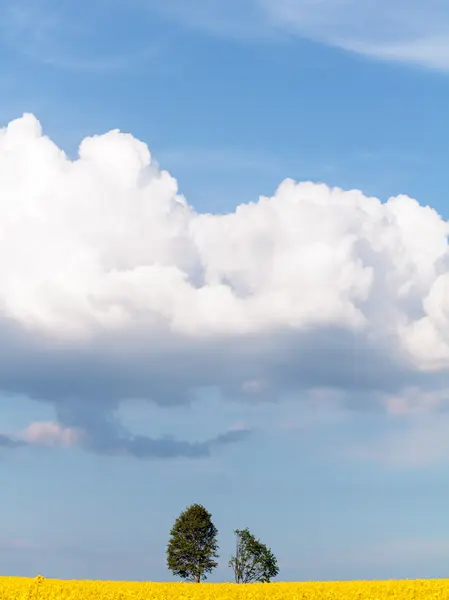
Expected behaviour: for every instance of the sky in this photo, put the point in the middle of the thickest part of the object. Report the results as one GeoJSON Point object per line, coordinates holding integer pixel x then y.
{"type": "Point", "coordinates": [224, 279]}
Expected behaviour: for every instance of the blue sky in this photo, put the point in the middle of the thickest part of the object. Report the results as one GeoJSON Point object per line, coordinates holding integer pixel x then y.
{"type": "Point", "coordinates": [286, 365]}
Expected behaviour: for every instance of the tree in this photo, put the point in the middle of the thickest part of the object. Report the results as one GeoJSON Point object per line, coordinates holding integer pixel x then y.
{"type": "Point", "coordinates": [253, 561]}
{"type": "Point", "coordinates": [193, 544]}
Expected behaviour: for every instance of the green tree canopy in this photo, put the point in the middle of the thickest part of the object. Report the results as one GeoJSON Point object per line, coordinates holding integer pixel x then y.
{"type": "Point", "coordinates": [193, 546]}
{"type": "Point", "coordinates": [253, 561]}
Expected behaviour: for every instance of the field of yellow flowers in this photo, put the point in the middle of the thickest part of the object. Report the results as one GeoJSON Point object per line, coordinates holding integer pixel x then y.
{"type": "Point", "coordinates": [17, 588]}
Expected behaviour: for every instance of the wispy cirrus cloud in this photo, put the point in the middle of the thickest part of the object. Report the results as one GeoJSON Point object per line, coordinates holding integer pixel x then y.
{"type": "Point", "coordinates": [407, 31]}
{"type": "Point", "coordinates": [114, 35]}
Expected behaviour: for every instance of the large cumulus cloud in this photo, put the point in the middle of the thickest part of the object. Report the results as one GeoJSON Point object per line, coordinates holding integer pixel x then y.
{"type": "Point", "coordinates": [112, 287]}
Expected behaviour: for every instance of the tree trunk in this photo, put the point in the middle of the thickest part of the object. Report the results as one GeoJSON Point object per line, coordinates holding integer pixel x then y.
{"type": "Point", "coordinates": [197, 578]}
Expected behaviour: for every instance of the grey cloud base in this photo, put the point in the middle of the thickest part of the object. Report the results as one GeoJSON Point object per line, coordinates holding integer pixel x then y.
{"type": "Point", "coordinates": [88, 384]}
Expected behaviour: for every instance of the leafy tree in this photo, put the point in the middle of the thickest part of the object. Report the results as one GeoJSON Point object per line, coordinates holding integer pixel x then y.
{"type": "Point", "coordinates": [193, 544]}
{"type": "Point", "coordinates": [253, 561]}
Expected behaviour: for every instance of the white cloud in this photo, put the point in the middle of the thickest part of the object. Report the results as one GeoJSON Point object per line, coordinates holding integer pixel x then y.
{"type": "Point", "coordinates": [105, 242]}
{"type": "Point", "coordinates": [112, 287]}
{"type": "Point", "coordinates": [48, 433]}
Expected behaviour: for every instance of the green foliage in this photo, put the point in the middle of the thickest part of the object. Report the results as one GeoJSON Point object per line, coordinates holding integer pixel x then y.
{"type": "Point", "coordinates": [193, 544]}
{"type": "Point", "coordinates": [253, 561]}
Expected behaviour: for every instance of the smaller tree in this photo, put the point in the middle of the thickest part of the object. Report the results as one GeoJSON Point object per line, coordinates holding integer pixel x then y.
{"type": "Point", "coordinates": [193, 544]}
{"type": "Point", "coordinates": [253, 561]}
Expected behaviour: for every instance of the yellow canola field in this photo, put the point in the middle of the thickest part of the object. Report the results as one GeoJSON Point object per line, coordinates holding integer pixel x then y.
{"type": "Point", "coordinates": [15, 588]}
